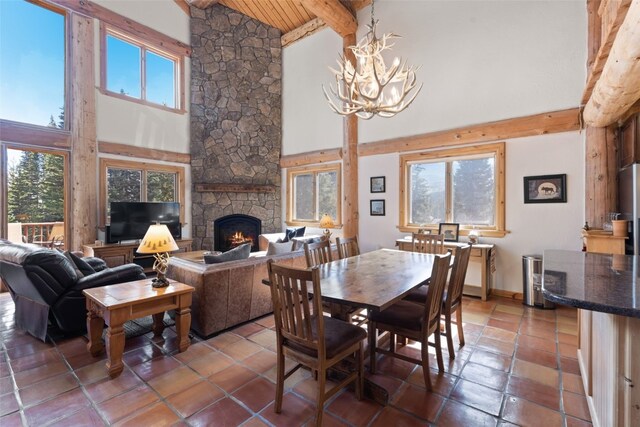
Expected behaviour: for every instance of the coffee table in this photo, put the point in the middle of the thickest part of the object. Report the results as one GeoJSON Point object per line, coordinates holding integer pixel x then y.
{"type": "Point", "coordinates": [116, 304]}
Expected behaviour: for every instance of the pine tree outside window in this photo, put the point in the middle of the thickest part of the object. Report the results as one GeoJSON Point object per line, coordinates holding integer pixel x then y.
{"type": "Point", "coordinates": [464, 186]}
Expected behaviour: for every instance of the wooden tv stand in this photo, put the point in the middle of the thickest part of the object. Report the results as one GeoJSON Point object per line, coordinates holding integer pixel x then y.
{"type": "Point", "coordinates": [125, 253]}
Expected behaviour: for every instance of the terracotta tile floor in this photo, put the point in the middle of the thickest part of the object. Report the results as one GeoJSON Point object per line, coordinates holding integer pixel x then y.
{"type": "Point", "coordinates": [518, 367]}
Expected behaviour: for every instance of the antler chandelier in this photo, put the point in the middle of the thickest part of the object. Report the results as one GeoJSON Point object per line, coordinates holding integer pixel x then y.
{"type": "Point", "coordinates": [369, 87]}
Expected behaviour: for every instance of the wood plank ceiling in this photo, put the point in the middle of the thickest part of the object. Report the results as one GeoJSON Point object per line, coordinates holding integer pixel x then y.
{"type": "Point", "coordinates": [291, 17]}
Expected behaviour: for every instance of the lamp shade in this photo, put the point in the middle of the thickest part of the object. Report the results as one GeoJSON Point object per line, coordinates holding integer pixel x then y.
{"type": "Point", "coordinates": [326, 222]}
{"type": "Point", "coordinates": [157, 239]}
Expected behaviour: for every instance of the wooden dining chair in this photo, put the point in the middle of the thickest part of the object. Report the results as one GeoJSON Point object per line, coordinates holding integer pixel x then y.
{"type": "Point", "coordinates": [413, 321]}
{"type": "Point", "coordinates": [428, 243]}
{"type": "Point", "coordinates": [452, 298]}
{"type": "Point", "coordinates": [318, 253]}
{"type": "Point", "coordinates": [309, 338]}
{"type": "Point", "coordinates": [347, 246]}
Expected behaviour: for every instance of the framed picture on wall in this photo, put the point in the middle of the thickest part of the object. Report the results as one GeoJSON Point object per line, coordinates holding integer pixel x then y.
{"type": "Point", "coordinates": [377, 184]}
{"type": "Point", "coordinates": [376, 207]}
{"type": "Point", "coordinates": [545, 189]}
{"type": "Point", "coordinates": [450, 231]}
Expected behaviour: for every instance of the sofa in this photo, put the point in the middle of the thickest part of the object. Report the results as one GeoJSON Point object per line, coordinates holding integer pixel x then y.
{"type": "Point", "coordinates": [264, 239]}
{"type": "Point", "coordinates": [229, 293]}
{"type": "Point", "coordinates": [46, 286]}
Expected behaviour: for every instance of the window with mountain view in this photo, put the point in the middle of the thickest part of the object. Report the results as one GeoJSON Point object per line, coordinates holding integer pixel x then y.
{"type": "Point", "coordinates": [32, 63]}
{"type": "Point", "coordinates": [458, 186]}
{"type": "Point", "coordinates": [313, 192]}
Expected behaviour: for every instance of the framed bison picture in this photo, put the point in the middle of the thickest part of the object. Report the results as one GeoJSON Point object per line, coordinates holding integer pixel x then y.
{"type": "Point", "coordinates": [545, 189]}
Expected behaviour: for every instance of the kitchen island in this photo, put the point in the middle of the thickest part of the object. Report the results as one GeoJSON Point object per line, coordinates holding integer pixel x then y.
{"type": "Point", "coordinates": [606, 289]}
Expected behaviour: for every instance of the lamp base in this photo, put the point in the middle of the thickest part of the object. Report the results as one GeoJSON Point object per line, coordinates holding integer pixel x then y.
{"type": "Point", "coordinates": [160, 282]}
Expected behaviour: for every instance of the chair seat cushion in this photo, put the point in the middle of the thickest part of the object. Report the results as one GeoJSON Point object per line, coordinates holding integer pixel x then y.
{"type": "Point", "coordinates": [420, 295]}
{"type": "Point", "coordinates": [403, 314]}
{"type": "Point", "coordinates": [338, 335]}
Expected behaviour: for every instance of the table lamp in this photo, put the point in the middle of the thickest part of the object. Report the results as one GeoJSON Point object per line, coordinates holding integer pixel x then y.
{"type": "Point", "coordinates": [326, 222]}
{"type": "Point", "coordinates": [158, 241]}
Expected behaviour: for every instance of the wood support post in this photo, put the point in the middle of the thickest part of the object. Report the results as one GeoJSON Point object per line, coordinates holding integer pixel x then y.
{"type": "Point", "coordinates": [84, 152]}
{"type": "Point", "coordinates": [350, 216]}
{"type": "Point", "coordinates": [601, 192]}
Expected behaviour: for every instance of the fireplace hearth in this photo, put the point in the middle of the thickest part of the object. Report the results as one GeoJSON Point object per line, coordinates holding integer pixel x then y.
{"type": "Point", "coordinates": [234, 230]}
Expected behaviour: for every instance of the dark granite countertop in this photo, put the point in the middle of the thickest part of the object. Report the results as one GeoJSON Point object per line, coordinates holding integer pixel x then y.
{"type": "Point", "coordinates": [597, 282]}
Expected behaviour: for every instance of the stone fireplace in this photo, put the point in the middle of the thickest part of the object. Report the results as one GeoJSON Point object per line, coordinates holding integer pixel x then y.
{"type": "Point", "coordinates": [236, 128]}
{"type": "Point", "coordinates": [234, 230]}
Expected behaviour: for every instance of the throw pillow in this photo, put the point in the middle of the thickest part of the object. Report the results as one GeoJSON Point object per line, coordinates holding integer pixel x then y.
{"type": "Point", "coordinates": [85, 268]}
{"type": "Point", "coordinates": [237, 253]}
{"type": "Point", "coordinates": [280, 248]}
{"type": "Point", "coordinates": [295, 232]}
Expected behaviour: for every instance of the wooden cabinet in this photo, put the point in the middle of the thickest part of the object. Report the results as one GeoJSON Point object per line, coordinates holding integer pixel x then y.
{"type": "Point", "coordinates": [603, 242]}
{"type": "Point", "coordinates": [629, 136]}
{"type": "Point", "coordinates": [119, 254]}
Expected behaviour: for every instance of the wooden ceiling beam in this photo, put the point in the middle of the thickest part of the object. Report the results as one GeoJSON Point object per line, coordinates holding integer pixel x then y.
{"type": "Point", "coordinates": [334, 14]}
{"type": "Point", "coordinates": [202, 4]}
{"type": "Point", "coordinates": [182, 4]}
{"type": "Point", "coordinates": [618, 88]}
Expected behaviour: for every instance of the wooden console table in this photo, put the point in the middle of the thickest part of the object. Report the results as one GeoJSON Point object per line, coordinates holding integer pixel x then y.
{"type": "Point", "coordinates": [125, 253]}
{"type": "Point", "coordinates": [116, 304]}
{"type": "Point", "coordinates": [481, 253]}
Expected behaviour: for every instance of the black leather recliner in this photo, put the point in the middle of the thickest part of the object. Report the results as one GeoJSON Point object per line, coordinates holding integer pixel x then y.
{"type": "Point", "coordinates": [46, 287]}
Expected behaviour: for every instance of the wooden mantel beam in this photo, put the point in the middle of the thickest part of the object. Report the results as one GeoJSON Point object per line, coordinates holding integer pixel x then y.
{"type": "Point", "coordinates": [619, 85]}
{"type": "Point", "coordinates": [334, 14]}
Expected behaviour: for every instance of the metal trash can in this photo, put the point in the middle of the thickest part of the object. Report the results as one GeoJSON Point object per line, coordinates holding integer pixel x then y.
{"type": "Point", "coordinates": [532, 282]}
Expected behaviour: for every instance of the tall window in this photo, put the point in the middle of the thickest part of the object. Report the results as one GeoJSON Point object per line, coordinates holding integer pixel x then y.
{"type": "Point", "coordinates": [138, 71]}
{"type": "Point", "coordinates": [313, 192]}
{"type": "Point", "coordinates": [123, 181]}
{"type": "Point", "coordinates": [463, 186]}
{"type": "Point", "coordinates": [32, 64]}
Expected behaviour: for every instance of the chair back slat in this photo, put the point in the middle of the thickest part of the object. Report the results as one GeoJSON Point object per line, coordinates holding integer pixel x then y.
{"type": "Point", "coordinates": [318, 253]}
{"type": "Point", "coordinates": [427, 243]}
{"type": "Point", "coordinates": [458, 275]}
{"type": "Point", "coordinates": [437, 284]}
{"type": "Point", "coordinates": [294, 313]}
{"type": "Point", "coordinates": [347, 246]}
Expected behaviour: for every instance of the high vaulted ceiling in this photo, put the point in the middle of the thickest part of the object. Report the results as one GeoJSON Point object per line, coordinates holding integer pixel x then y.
{"type": "Point", "coordinates": [295, 18]}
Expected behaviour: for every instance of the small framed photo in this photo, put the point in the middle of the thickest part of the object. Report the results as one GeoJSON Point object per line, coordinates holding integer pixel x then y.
{"type": "Point", "coordinates": [377, 184]}
{"type": "Point", "coordinates": [376, 207]}
{"type": "Point", "coordinates": [545, 189]}
{"type": "Point", "coordinates": [450, 231]}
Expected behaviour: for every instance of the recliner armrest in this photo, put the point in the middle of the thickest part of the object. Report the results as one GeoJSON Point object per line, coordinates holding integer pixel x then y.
{"type": "Point", "coordinates": [111, 276]}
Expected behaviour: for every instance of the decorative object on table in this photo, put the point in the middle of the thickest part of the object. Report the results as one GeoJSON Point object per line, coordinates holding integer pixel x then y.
{"type": "Point", "coordinates": [369, 87]}
{"type": "Point", "coordinates": [326, 222]}
{"type": "Point", "coordinates": [376, 207]}
{"type": "Point", "coordinates": [620, 227]}
{"type": "Point", "coordinates": [545, 189]}
{"type": "Point", "coordinates": [449, 230]}
{"type": "Point", "coordinates": [474, 236]}
{"type": "Point", "coordinates": [159, 242]}
{"type": "Point", "coordinates": [377, 184]}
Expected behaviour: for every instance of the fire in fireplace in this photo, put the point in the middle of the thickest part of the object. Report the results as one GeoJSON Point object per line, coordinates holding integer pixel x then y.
{"type": "Point", "coordinates": [234, 230]}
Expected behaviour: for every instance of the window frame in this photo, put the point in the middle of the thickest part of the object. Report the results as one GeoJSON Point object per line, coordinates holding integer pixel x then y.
{"type": "Point", "coordinates": [450, 155]}
{"type": "Point", "coordinates": [144, 46]}
{"type": "Point", "coordinates": [144, 167]}
{"type": "Point", "coordinates": [313, 169]}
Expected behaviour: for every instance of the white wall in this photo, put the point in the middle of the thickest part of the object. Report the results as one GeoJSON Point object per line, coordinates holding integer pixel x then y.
{"type": "Point", "coordinates": [532, 227]}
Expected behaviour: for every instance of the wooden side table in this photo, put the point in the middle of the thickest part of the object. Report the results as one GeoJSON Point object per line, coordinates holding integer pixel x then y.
{"type": "Point", "coordinates": [116, 304]}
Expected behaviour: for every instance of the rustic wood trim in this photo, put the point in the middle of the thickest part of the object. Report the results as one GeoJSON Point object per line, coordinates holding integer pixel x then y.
{"type": "Point", "coordinates": [350, 212]}
{"type": "Point", "coordinates": [618, 87]}
{"type": "Point", "coordinates": [184, 5]}
{"type": "Point", "coordinates": [313, 169]}
{"type": "Point", "coordinates": [94, 10]}
{"type": "Point", "coordinates": [302, 31]}
{"type": "Point", "coordinates": [311, 158]}
{"type": "Point", "coordinates": [601, 190]}
{"type": "Point", "coordinates": [105, 147]}
{"type": "Point", "coordinates": [202, 4]}
{"type": "Point", "coordinates": [506, 294]}
{"type": "Point", "coordinates": [40, 136]}
{"type": "Point", "coordinates": [334, 14]}
{"type": "Point", "coordinates": [498, 149]}
{"type": "Point", "coordinates": [178, 60]}
{"type": "Point", "coordinates": [145, 167]}
{"type": "Point", "coordinates": [603, 43]}
{"type": "Point", "coordinates": [83, 174]}
{"type": "Point", "coordinates": [235, 188]}
{"type": "Point", "coordinates": [594, 38]}
{"type": "Point", "coordinates": [635, 108]}
{"type": "Point", "coordinates": [538, 124]}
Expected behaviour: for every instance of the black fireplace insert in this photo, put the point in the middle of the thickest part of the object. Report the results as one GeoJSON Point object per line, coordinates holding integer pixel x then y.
{"type": "Point", "coordinates": [234, 230]}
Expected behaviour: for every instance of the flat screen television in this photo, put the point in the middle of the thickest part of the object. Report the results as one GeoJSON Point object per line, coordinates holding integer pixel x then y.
{"type": "Point", "coordinates": [130, 220]}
